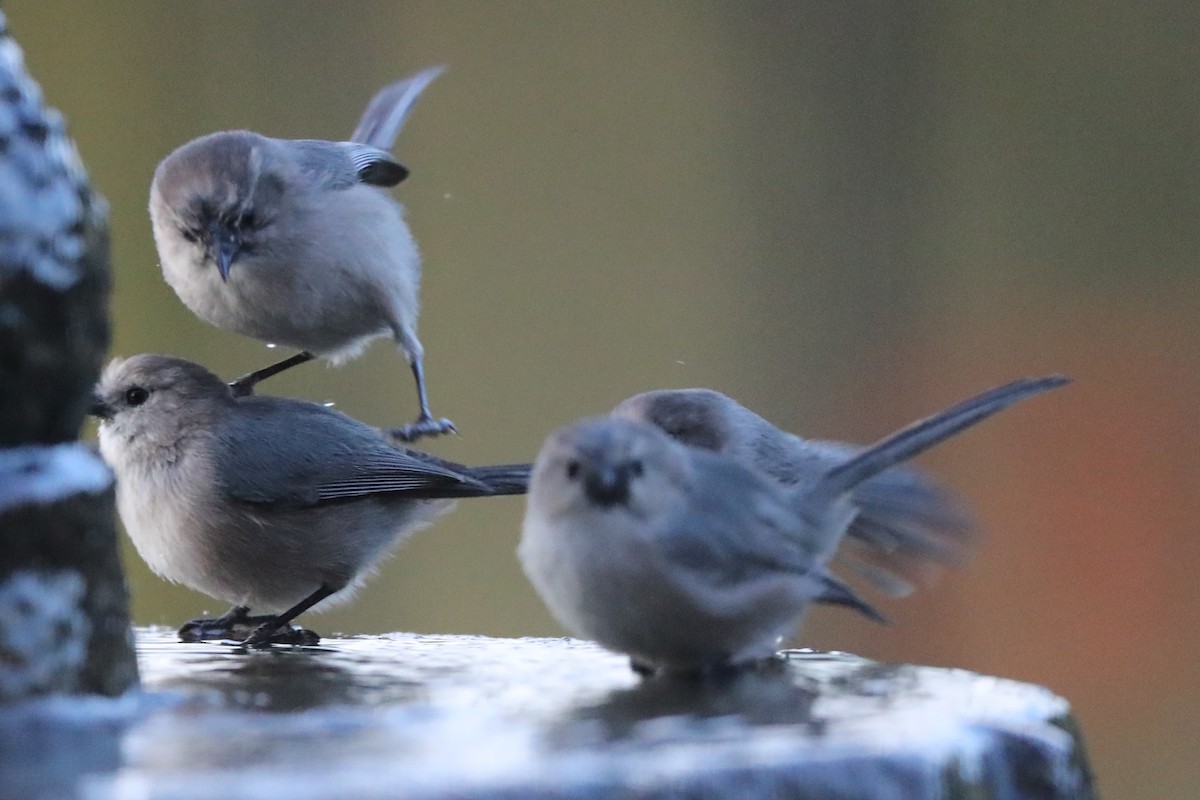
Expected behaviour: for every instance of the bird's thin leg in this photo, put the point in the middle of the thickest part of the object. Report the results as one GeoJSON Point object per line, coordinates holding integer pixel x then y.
{"type": "Point", "coordinates": [277, 629]}
{"type": "Point", "coordinates": [425, 424]}
{"type": "Point", "coordinates": [222, 627]}
{"type": "Point", "coordinates": [244, 385]}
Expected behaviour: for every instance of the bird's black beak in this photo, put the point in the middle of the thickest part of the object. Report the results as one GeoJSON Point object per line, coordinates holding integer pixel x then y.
{"type": "Point", "coordinates": [225, 247]}
{"type": "Point", "coordinates": [607, 485]}
{"type": "Point", "coordinates": [98, 408]}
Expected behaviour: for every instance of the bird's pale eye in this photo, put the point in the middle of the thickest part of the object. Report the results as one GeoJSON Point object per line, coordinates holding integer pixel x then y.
{"type": "Point", "coordinates": [572, 469]}
{"type": "Point", "coordinates": [136, 395]}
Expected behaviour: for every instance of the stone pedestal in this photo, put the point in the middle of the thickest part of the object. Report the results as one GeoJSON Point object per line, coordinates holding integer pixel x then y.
{"type": "Point", "coordinates": [64, 624]}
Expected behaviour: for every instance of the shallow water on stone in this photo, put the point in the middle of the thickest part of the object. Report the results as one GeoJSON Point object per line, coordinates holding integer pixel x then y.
{"type": "Point", "coordinates": [430, 716]}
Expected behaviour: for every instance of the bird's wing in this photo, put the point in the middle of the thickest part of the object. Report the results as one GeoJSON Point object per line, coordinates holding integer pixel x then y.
{"type": "Point", "coordinates": [739, 525]}
{"type": "Point", "coordinates": [277, 451]}
{"type": "Point", "coordinates": [376, 167]}
{"type": "Point", "coordinates": [906, 527]}
{"type": "Point", "coordinates": [736, 523]}
{"type": "Point", "coordinates": [341, 165]}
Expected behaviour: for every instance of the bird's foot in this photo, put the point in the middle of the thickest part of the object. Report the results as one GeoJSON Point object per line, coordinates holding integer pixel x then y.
{"type": "Point", "coordinates": [270, 633]}
{"type": "Point", "coordinates": [229, 626]}
{"type": "Point", "coordinates": [243, 386]}
{"type": "Point", "coordinates": [714, 671]}
{"type": "Point", "coordinates": [424, 426]}
{"type": "Point", "coordinates": [642, 669]}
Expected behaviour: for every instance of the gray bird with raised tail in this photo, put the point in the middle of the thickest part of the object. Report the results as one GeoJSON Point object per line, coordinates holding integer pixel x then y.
{"type": "Point", "coordinates": [298, 242]}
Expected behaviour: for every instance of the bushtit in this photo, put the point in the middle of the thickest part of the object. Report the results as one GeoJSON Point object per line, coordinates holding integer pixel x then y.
{"type": "Point", "coordinates": [297, 242]}
{"type": "Point", "coordinates": [685, 559]}
{"type": "Point", "coordinates": [905, 526]}
{"type": "Point", "coordinates": [263, 502]}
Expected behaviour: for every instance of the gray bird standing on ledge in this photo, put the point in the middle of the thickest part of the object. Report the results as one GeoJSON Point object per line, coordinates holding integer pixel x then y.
{"type": "Point", "coordinates": [264, 502]}
{"type": "Point", "coordinates": [686, 560]}
{"type": "Point", "coordinates": [297, 242]}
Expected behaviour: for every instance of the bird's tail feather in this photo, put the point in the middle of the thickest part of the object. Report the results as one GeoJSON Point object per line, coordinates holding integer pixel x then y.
{"type": "Point", "coordinates": [924, 434]}
{"type": "Point", "coordinates": [388, 109]}
{"type": "Point", "coordinates": [504, 478]}
{"type": "Point", "coordinates": [906, 530]}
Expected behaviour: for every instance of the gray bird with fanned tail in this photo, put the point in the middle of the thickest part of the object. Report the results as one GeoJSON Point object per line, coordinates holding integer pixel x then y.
{"type": "Point", "coordinates": [905, 527]}
{"type": "Point", "coordinates": [686, 559]}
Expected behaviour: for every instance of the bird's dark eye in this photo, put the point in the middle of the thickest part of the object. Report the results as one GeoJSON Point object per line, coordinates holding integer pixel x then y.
{"type": "Point", "coordinates": [635, 469]}
{"type": "Point", "coordinates": [572, 469]}
{"type": "Point", "coordinates": [136, 395]}
{"type": "Point", "coordinates": [248, 221]}
{"type": "Point", "coordinates": [189, 235]}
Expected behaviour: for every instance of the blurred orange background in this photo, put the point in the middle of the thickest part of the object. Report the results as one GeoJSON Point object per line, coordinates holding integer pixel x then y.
{"type": "Point", "coordinates": [846, 215]}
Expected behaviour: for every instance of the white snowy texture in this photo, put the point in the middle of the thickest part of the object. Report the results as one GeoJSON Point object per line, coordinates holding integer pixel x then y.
{"type": "Point", "coordinates": [44, 474]}
{"type": "Point", "coordinates": [43, 632]}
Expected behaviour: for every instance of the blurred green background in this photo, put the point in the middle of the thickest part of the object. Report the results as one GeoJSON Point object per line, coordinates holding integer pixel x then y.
{"type": "Point", "coordinates": [847, 215]}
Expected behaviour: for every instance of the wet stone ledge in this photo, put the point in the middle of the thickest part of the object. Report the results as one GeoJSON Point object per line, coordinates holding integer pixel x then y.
{"type": "Point", "coordinates": [404, 715]}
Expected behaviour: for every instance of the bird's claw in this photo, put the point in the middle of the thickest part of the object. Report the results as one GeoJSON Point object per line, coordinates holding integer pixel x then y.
{"type": "Point", "coordinates": [233, 625]}
{"type": "Point", "coordinates": [423, 427]}
{"type": "Point", "coordinates": [242, 387]}
{"type": "Point", "coordinates": [268, 634]}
